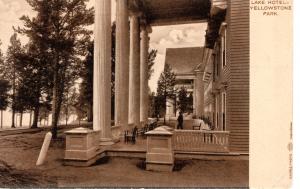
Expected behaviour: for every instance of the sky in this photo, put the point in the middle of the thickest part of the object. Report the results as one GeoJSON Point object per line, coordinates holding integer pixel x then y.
{"type": "Point", "coordinates": [162, 37]}
{"type": "Point", "coordinates": [189, 35]}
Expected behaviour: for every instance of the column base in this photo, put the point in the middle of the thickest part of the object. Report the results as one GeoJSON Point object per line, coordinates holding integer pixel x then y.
{"type": "Point", "coordinates": [121, 135]}
{"type": "Point", "coordinates": [130, 126]}
{"type": "Point", "coordinates": [106, 141]}
{"type": "Point", "coordinates": [159, 167]}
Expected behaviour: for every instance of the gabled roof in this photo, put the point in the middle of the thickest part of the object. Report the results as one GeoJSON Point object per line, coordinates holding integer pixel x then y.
{"type": "Point", "coordinates": [184, 60]}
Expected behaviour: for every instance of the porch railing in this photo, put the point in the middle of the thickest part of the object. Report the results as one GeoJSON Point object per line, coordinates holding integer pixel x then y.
{"type": "Point", "coordinates": [116, 132]}
{"type": "Point", "coordinates": [201, 141]}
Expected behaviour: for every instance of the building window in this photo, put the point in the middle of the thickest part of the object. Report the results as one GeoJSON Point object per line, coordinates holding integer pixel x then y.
{"type": "Point", "coordinates": [223, 48]}
{"type": "Point", "coordinates": [218, 60]}
{"type": "Point", "coordinates": [224, 111]}
{"type": "Point", "coordinates": [217, 112]}
{"type": "Point", "coordinates": [214, 67]}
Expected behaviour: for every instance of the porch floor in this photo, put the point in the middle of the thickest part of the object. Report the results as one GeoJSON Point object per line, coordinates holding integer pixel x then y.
{"type": "Point", "coordinates": [140, 145]}
{"type": "Point", "coordinates": [139, 149]}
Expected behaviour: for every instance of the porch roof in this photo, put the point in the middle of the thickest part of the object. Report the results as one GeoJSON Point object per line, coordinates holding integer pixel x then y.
{"type": "Point", "coordinates": [168, 12]}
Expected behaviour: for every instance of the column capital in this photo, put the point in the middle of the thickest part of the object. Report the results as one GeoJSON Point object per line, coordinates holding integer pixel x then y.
{"type": "Point", "coordinates": [145, 28]}
{"type": "Point", "coordinates": [135, 13]}
{"type": "Point", "coordinates": [145, 25]}
{"type": "Point", "coordinates": [218, 6]}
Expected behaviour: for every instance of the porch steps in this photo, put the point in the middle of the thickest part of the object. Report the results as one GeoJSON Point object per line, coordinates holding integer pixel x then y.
{"type": "Point", "coordinates": [126, 153]}
{"type": "Point", "coordinates": [210, 156]}
{"type": "Point", "coordinates": [179, 155]}
{"type": "Point", "coordinates": [83, 163]}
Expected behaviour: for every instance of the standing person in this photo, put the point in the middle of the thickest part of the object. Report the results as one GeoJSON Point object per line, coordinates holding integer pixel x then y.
{"type": "Point", "coordinates": [180, 121]}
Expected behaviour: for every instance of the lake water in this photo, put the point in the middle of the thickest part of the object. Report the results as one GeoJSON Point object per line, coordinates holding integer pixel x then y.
{"type": "Point", "coordinates": [7, 119]}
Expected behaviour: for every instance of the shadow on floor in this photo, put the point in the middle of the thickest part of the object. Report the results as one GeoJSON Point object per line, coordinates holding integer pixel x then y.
{"type": "Point", "coordinates": [178, 166]}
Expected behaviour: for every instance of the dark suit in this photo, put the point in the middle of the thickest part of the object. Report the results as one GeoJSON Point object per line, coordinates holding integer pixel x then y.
{"type": "Point", "coordinates": [180, 122]}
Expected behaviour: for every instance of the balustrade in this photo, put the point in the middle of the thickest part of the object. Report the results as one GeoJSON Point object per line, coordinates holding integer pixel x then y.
{"type": "Point", "coordinates": [201, 141]}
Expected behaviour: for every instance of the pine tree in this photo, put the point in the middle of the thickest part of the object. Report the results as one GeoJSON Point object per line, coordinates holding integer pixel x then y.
{"type": "Point", "coordinates": [86, 87]}
{"type": "Point", "coordinates": [34, 80]}
{"type": "Point", "coordinates": [151, 61]}
{"type": "Point", "coordinates": [4, 97]}
{"type": "Point", "coordinates": [9, 71]}
{"type": "Point", "coordinates": [4, 88]}
{"type": "Point", "coordinates": [65, 37]}
{"type": "Point", "coordinates": [38, 57]}
{"type": "Point", "coordinates": [165, 87]}
{"type": "Point", "coordinates": [182, 99]}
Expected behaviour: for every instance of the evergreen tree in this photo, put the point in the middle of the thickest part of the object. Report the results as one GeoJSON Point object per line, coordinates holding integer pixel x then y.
{"type": "Point", "coordinates": [182, 99]}
{"type": "Point", "coordinates": [34, 80]}
{"type": "Point", "coordinates": [4, 88]}
{"type": "Point", "coordinates": [38, 58]}
{"type": "Point", "coordinates": [151, 61]}
{"type": "Point", "coordinates": [70, 103]}
{"type": "Point", "coordinates": [165, 88]}
{"type": "Point", "coordinates": [86, 87]}
{"type": "Point", "coordinates": [9, 71]}
{"type": "Point", "coordinates": [151, 101]}
{"type": "Point", "coordinates": [64, 36]}
{"type": "Point", "coordinates": [4, 97]}
{"type": "Point", "coordinates": [21, 101]}
{"type": "Point", "coordinates": [44, 112]}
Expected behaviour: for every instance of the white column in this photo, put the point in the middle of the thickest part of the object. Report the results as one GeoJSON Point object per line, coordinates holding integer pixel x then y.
{"type": "Point", "coordinates": [122, 64]}
{"type": "Point", "coordinates": [144, 102]}
{"type": "Point", "coordinates": [134, 71]}
{"type": "Point", "coordinates": [199, 93]}
{"type": "Point", "coordinates": [170, 109]}
{"type": "Point", "coordinates": [194, 97]}
{"type": "Point", "coordinates": [102, 71]}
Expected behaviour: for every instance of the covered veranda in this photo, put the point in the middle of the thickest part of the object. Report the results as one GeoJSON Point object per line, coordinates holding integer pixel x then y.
{"type": "Point", "coordinates": [131, 81]}
{"type": "Point", "coordinates": [131, 86]}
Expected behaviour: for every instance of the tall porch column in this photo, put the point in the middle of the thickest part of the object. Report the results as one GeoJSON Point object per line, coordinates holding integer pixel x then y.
{"type": "Point", "coordinates": [199, 93]}
{"type": "Point", "coordinates": [170, 109]}
{"type": "Point", "coordinates": [134, 71]}
{"type": "Point", "coordinates": [102, 71]}
{"type": "Point", "coordinates": [144, 101]}
{"type": "Point", "coordinates": [122, 64]}
{"type": "Point", "coordinates": [194, 97]}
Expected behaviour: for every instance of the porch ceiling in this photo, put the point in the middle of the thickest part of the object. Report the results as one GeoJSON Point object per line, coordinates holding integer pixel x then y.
{"type": "Point", "coordinates": [168, 12]}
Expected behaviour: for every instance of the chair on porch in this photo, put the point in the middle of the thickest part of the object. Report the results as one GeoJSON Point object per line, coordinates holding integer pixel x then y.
{"type": "Point", "coordinates": [197, 124]}
{"type": "Point", "coordinates": [143, 130]}
{"type": "Point", "coordinates": [131, 136]}
{"type": "Point", "coordinates": [152, 126]}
